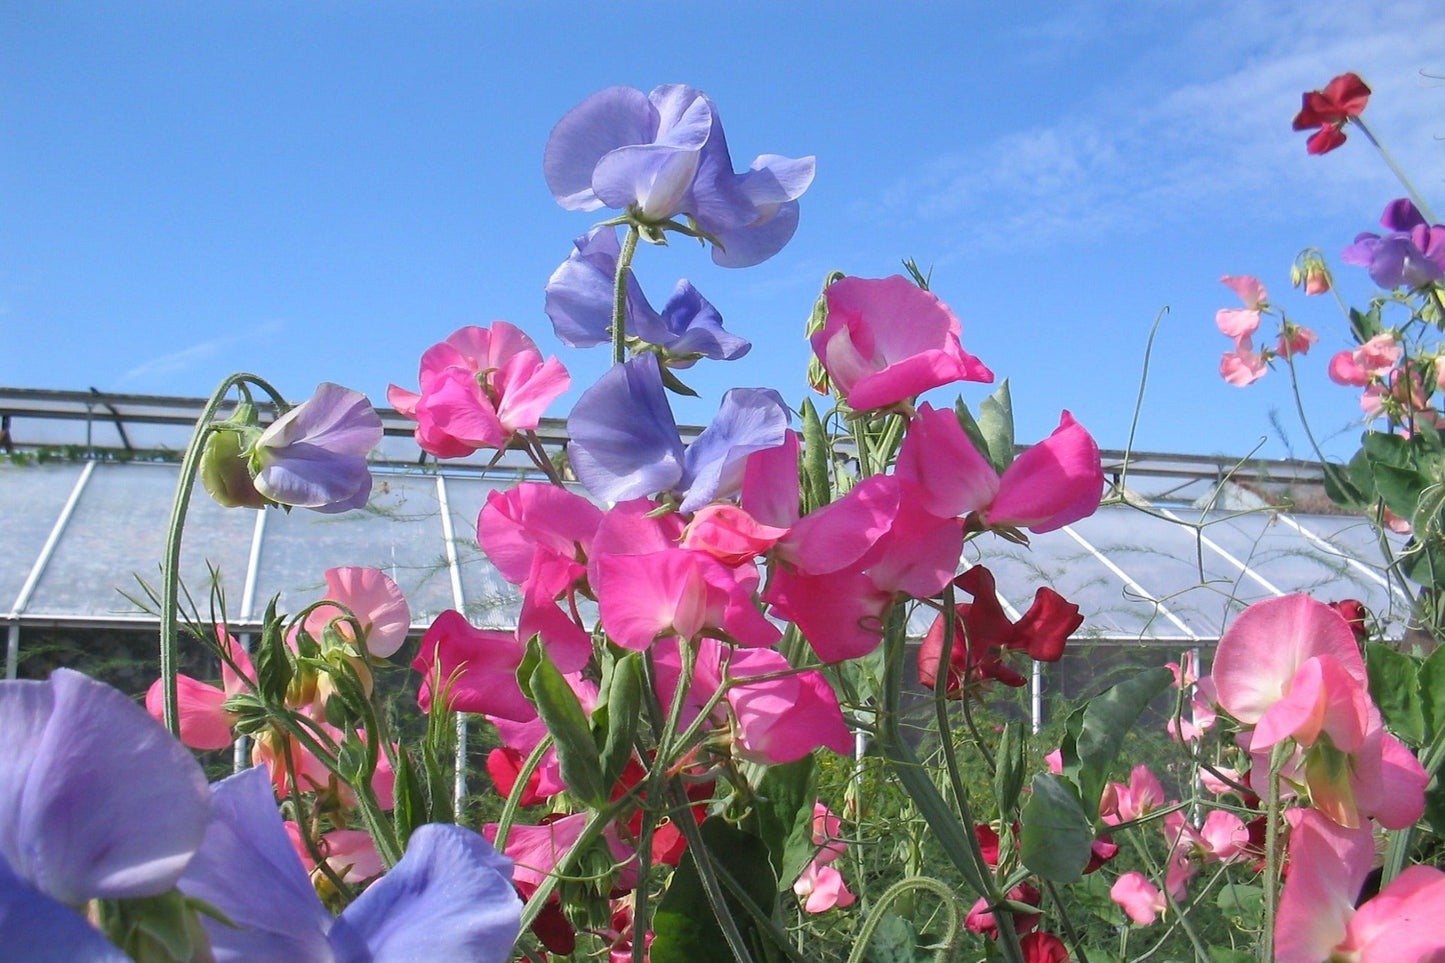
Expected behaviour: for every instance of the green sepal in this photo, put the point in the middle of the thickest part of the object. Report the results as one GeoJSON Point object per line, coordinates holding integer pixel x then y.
{"type": "Point", "coordinates": [817, 487]}
{"type": "Point", "coordinates": [619, 710]}
{"type": "Point", "coordinates": [996, 421]}
{"type": "Point", "coordinates": [577, 754]}
{"type": "Point", "coordinates": [1008, 773]}
{"type": "Point", "coordinates": [273, 658]}
{"type": "Point", "coordinates": [971, 429]}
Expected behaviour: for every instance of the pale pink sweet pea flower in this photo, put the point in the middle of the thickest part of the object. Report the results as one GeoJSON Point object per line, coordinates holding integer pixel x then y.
{"type": "Point", "coordinates": [1140, 899]}
{"type": "Point", "coordinates": [1373, 359]}
{"type": "Point", "coordinates": [1125, 803]}
{"type": "Point", "coordinates": [375, 600]}
{"type": "Point", "coordinates": [827, 830]}
{"type": "Point", "coordinates": [1295, 339]}
{"type": "Point", "coordinates": [729, 534]}
{"type": "Point", "coordinates": [1318, 920]}
{"type": "Point", "coordinates": [478, 388]}
{"type": "Point", "coordinates": [1242, 366]}
{"type": "Point", "coordinates": [886, 340]}
{"type": "Point", "coordinates": [204, 723]}
{"type": "Point", "coordinates": [1238, 323]}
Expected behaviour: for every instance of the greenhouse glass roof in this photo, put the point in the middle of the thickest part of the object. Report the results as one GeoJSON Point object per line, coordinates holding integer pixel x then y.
{"type": "Point", "coordinates": [85, 499]}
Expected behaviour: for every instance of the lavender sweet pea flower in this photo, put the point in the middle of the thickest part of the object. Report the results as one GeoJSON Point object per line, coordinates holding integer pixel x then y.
{"type": "Point", "coordinates": [662, 155]}
{"type": "Point", "coordinates": [83, 772]}
{"type": "Point", "coordinates": [1412, 255]}
{"type": "Point", "coordinates": [579, 302]}
{"type": "Point", "coordinates": [314, 456]}
{"type": "Point", "coordinates": [625, 443]}
{"type": "Point", "coordinates": [450, 897]}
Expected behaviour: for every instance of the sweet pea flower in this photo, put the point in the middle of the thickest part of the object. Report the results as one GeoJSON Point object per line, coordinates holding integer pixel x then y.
{"type": "Point", "coordinates": [476, 668]}
{"type": "Point", "coordinates": [1140, 899]}
{"type": "Point", "coordinates": [1041, 947]}
{"type": "Point", "coordinates": [983, 632]}
{"type": "Point", "coordinates": [479, 387]}
{"type": "Point", "coordinates": [314, 456]}
{"type": "Point", "coordinates": [625, 443]}
{"type": "Point", "coordinates": [821, 888]}
{"type": "Point", "coordinates": [83, 773]}
{"type": "Point", "coordinates": [1240, 323]}
{"type": "Point", "coordinates": [580, 304]}
{"type": "Point", "coordinates": [886, 340]}
{"type": "Point", "coordinates": [663, 155]}
{"type": "Point", "coordinates": [981, 920]}
{"type": "Point", "coordinates": [1242, 366]}
{"type": "Point", "coordinates": [1411, 255]}
{"type": "Point", "coordinates": [1318, 918]}
{"type": "Point", "coordinates": [1142, 795]}
{"type": "Point", "coordinates": [450, 896]}
{"type": "Point", "coordinates": [204, 722]}
{"type": "Point", "coordinates": [1329, 110]}
{"type": "Point", "coordinates": [375, 600]}
{"type": "Point", "coordinates": [1052, 484]}
{"type": "Point", "coordinates": [1291, 668]}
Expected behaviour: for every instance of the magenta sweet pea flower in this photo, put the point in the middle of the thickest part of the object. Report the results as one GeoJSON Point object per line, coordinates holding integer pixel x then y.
{"type": "Point", "coordinates": [83, 773]}
{"type": "Point", "coordinates": [314, 456]}
{"type": "Point", "coordinates": [478, 388]}
{"type": "Point", "coordinates": [663, 155]}
{"type": "Point", "coordinates": [580, 303]}
{"type": "Point", "coordinates": [886, 340]}
{"type": "Point", "coordinates": [477, 668]}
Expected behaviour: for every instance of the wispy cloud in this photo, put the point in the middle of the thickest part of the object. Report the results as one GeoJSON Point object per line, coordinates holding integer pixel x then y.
{"type": "Point", "coordinates": [186, 358]}
{"type": "Point", "coordinates": [1139, 153]}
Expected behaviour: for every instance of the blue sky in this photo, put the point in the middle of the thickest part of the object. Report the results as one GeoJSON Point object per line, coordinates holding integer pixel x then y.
{"type": "Point", "coordinates": [319, 191]}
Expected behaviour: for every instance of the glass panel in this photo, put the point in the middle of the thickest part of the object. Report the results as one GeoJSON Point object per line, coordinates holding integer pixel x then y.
{"type": "Point", "coordinates": [33, 497]}
{"type": "Point", "coordinates": [399, 532]}
{"type": "Point", "coordinates": [118, 533]}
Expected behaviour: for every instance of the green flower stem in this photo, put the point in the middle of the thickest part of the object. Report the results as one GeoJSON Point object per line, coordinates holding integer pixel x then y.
{"type": "Point", "coordinates": [960, 844]}
{"type": "Point", "coordinates": [171, 560]}
{"type": "Point", "coordinates": [946, 897]}
{"type": "Point", "coordinates": [519, 787]}
{"type": "Point", "coordinates": [619, 294]}
{"type": "Point", "coordinates": [1395, 169]}
{"type": "Point", "coordinates": [1271, 853]}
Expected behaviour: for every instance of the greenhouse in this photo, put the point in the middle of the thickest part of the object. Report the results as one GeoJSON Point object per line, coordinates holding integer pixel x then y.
{"type": "Point", "coordinates": [1186, 543]}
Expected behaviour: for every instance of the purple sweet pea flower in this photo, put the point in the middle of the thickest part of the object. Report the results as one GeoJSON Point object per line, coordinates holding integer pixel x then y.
{"type": "Point", "coordinates": [579, 302]}
{"type": "Point", "coordinates": [625, 443]}
{"type": "Point", "coordinates": [1412, 255]}
{"type": "Point", "coordinates": [83, 773]}
{"type": "Point", "coordinates": [314, 456]}
{"type": "Point", "coordinates": [450, 897]}
{"type": "Point", "coordinates": [663, 154]}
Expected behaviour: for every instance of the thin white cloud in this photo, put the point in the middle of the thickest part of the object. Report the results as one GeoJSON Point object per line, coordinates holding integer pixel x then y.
{"type": "Point", "coordinates": [1138, 153]}
{"type": "Point", "coordinates": [186, 358]}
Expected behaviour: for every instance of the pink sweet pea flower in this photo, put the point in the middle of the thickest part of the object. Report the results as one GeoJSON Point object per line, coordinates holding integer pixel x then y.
{"type": "Point", "coordinates": [1140, 899]}
{"type": "Point", "coordinates": [478, 388]}
{"type": "Point", "coordinates": [1295, 339]}
{"type": "Point", "coordinates": [1318, 920]}
{"type": "Point", "coordinates": [477, 668]}
{"type": "Point", "coordinates": [1241, 323]}
{"type": "Point", "coordinates": [729, 534]}
{"type": "Point", "coordinates": [1242, 366]}
{"type": "Point", "coordinates": [1055, 482]}
{"type": "Point", "coordinates": [887, 340]}
{"type": "Point", "coordinates": [1370, 361]}
{"type": "Point", "coordinates": [204, 723]}
{"type": "Point", "coordinates": [827, 828]}
{"type": "Point", "coordinates": [1041, 947]}
{"type": "Point", "coordinates": [374, 599]}
{"type": "Point", "coordinates": [1125, 803]}
{"type": "Point", "coordinates": [980, 918]}
{"type": "Point", "coordinates": [822, 888]}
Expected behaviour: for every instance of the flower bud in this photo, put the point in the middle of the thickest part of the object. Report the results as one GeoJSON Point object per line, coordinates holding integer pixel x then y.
{"type": "Point", "coordinates": [225, 470]}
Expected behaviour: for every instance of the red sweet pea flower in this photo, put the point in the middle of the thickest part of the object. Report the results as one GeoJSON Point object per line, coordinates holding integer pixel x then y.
{"type": "Point", "coordinates": [1330, 109]}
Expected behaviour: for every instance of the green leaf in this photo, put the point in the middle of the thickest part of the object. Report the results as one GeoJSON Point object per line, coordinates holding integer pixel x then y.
{"type": "Point", "coordinates": [972, 429]}
{"type": "Point", "coordinates": [996, 421]}
{"type": "Point", "coordinates": [784, 807]}
{"type": "Point", "coordinates": [1435, 808]}
{"type": "Point", "coordinates": [410, 809]}
{"type": "Point", "coordinates": [1243, 905]}
{"type": "Point", "coordinates": [1400, 488]}
{"type": "Point", "coordinates": [685, 927]}
{"type": "Point", "coordinates": [623, 705]}
{"type": "Point", "coordinates": [895, 940]}
{"type": "Point", "coordinates": [1105, 721]}
{"type": "Point", "coordinates": [1057, 835]}
{"type": "Point", "coordinates": [1364, 325]}
{"type": "Point", "coordinates": [1395, 687]}
{"type": "Point", "coordinates": [1342, 490]}
{"type": "Point", "coordinates": [577, 755]}
{"type": "Point", "coordinates": [1008, 773]}
{"type": "Point", "coordinates": [817, 486]}
{"type": "Point", "coordinates": [1431, 676]}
